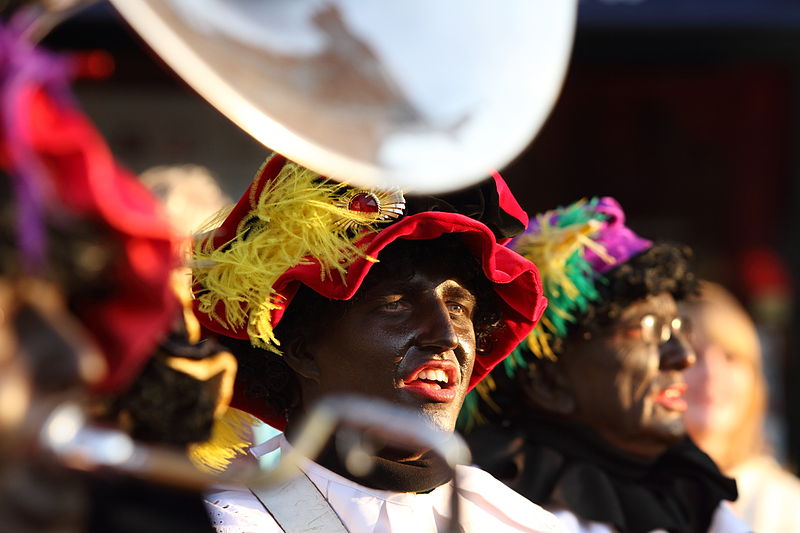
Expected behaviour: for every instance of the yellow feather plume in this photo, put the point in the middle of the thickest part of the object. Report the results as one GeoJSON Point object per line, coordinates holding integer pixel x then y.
{"type": "Point", "coordinates": [561, 234]}
{"type": "Point", "coordinates": [298, 217]}
{"type": "Point", "coordinates": [230, 436]}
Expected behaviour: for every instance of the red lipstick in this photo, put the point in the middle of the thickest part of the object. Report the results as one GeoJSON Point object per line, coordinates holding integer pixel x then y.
{"type": "Point", "coordinates": [434, 380]}
{"type": "Point", "coordinates": [672, 397]}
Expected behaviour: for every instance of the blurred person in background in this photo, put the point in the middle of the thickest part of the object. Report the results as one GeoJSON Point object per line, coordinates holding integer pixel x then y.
{"type": "Point", "coordinates": [727, 399]}
{"type": "Point", "coordinates": [190, 194]}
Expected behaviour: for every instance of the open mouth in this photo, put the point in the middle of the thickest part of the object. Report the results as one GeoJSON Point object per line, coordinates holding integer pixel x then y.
{"type": "Point", "coordinates": [671, 397]}
{"type": "Point", "coordinates": [435, 381]}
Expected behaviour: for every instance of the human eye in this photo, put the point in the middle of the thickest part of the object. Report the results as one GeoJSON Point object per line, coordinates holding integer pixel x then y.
{"type": "Point", "coordinates": [459, 308]}
{"type": "Point", "coordinates": [634, 329]}
{"type": "Point", "coordinates": [456, 308]}
{"type": "Point", "coordinates": [647, 328]}
{"type": "Point", "coordinates": [393, 305]}
{"type": "Point", "coordinates": [459, 301]}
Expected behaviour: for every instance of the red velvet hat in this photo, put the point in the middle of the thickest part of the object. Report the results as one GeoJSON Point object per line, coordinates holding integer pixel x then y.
{"type": "Point", "coordinates": [237, 298]}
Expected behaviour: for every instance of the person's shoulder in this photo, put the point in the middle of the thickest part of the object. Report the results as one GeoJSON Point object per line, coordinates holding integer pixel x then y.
{"type": "Point", "coordinates": [785, 485]}
{"type": "Point", "coordinates": [769, 495]}
{"type": "Point", "coordinates": [764, 476]}
{"type": "Point", "coordinates": [237, 510]}
{"type": "Point", "coordinates": [483, 490]}
{"type": "Point", "coordinates": [725, 521]}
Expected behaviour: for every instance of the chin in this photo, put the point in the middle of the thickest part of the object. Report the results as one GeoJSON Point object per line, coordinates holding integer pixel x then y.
{"type": "Point", "coordinates": [440, 418]}
{"type": "Point", "coordinates": [440, 415]}
{"type": "Point", "coordinates": [670, 433]}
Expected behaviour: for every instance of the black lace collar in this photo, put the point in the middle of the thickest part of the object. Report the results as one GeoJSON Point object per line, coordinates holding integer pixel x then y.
{"type": "Point", "coordinates": [554, 463]}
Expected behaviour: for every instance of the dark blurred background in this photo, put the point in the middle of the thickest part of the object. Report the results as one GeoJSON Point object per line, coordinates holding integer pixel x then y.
{"type": "Point", "coordinates": [686, 111]}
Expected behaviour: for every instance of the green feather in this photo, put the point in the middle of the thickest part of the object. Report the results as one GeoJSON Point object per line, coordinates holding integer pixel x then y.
{"type": "Point", "coordinates": [562, 309]}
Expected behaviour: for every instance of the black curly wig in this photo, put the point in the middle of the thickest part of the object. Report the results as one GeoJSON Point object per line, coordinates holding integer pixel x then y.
{"type": "Point", "coordinates": [666, 267]}
{"type": "Point", "coordinates": [265, 376]}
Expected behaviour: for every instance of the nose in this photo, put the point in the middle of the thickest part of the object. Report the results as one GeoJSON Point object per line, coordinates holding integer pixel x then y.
{"type": "Point", "coordinates": [677, 354]}
{"type": "Point", "coordinates": [435, 328]}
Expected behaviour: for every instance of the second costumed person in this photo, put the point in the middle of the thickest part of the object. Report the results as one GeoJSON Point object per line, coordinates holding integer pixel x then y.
{"type": "Point", "coordinates": [586, 416]}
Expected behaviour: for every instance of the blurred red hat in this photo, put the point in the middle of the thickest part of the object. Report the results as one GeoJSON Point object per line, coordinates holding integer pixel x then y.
{"type": "Point", "coordinates": [64, 180]}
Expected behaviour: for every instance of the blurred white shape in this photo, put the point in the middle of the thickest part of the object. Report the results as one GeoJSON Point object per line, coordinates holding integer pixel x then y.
{"type": "Point", "coordinates": [427, 96]}
{"type": "Point", "coordinates": [63, 425]}
{"type": "Point", "coordinates": [82, 446]}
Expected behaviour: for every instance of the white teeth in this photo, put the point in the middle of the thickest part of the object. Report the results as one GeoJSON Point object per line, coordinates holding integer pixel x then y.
{"type": "Point", "coordinates": [433, 375]}
{"type": "Point", "coordinates": [671, 393]}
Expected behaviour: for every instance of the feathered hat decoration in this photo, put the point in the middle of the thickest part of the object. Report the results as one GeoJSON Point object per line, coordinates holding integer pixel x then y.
{"type": "Point", "coordinates": [573, 247]}
{"type": "Point", "coordinates": [293, 219]}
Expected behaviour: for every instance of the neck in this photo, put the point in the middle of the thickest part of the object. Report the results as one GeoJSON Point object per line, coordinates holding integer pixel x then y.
{"type": "Point", "coordinates": [400, 455]}
{"type": "Point", "coordinates": [388, 468]}
{"type": "Point", "coordinates": [643, 447]}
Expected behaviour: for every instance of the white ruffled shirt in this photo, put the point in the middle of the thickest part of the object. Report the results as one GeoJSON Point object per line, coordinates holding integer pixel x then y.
{"type": "Point", "coordinates": [487, 505]}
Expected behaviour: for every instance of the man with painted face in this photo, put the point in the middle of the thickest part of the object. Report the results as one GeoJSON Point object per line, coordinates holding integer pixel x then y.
{"type": "Point", "coordinates": [586, 415]}
{"type": "Point", "coordinates": [321, 288]}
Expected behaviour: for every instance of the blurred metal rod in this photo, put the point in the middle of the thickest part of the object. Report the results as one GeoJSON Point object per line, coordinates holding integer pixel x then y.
{"type": "Point", "coordinates": [47, 14]}
{"type": "Point", "coordinates": [395, 425]}
{"type": "Point", "coordinates": [82, 446]}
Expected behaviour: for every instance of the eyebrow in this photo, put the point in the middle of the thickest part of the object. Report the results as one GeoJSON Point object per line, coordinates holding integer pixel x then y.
{"type": "Point", "coordinates": [660, 310]}
{"type": "Point", "coordinates": [459, 291]}
{"type": "Point", "coordinates": [453, 289]}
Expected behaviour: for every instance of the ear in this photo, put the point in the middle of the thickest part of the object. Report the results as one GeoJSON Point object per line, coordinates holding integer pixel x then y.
{"type": "Point", "coordinates": [300, 360]}
{"type": "Point", "coordinates": [547, 388]}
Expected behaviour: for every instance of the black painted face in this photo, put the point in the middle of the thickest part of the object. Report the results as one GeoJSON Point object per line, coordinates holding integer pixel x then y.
{"type": "Point", "coordinates": [406, 338]}
{"type": "Point", "coordinates": [628, 383]}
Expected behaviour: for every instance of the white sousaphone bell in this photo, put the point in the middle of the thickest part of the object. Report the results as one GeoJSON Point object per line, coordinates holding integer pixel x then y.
{"type": "Point", "coordinates": [424, 96]}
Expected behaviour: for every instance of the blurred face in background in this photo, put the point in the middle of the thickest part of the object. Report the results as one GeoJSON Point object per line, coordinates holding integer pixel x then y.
{"type": "Point", "coordinates": [726, 392]}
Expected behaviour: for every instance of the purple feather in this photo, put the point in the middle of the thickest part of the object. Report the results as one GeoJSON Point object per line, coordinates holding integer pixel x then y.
{"type": "Point", "coordinates": [619, 241]}
{"type": "Point", "coordinates": [23, 66]}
